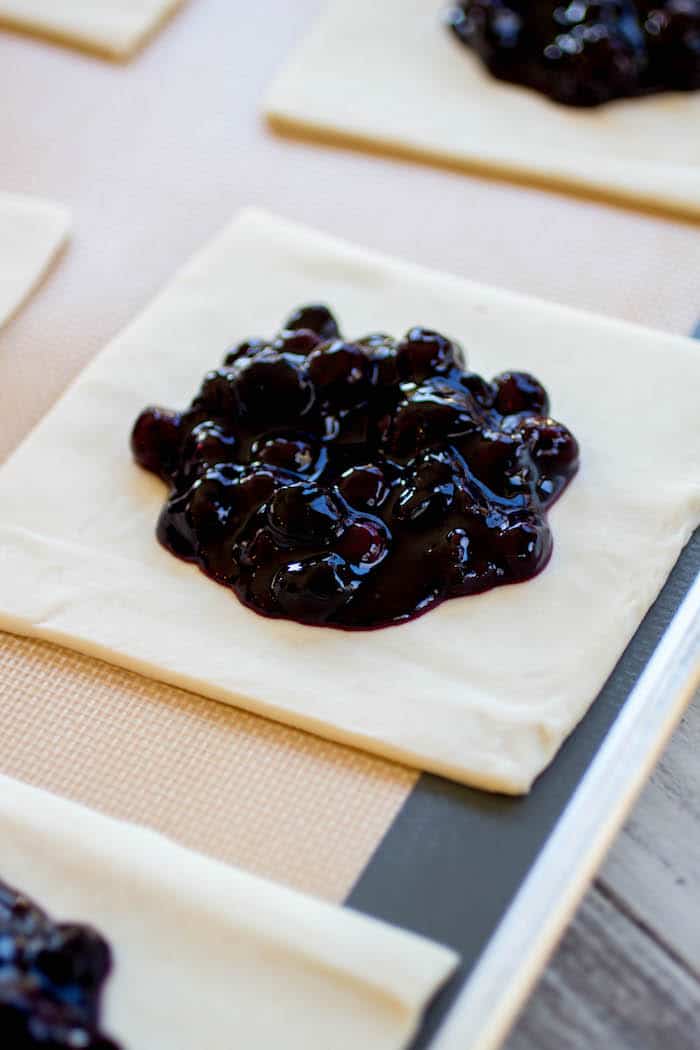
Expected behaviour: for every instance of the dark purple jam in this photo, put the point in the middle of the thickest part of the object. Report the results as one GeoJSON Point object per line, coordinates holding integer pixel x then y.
{"type": "Point", "coordinates": [585, 54]}
{"type": "Point", "coordinates": [357, 484]}
{"type": "Point", "coordinates": [51, 977]}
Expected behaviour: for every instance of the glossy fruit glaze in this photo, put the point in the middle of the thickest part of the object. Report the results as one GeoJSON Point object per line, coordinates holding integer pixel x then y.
{"type": "Point", "coordinates": [357, 484]}
{"type": "Point", "coordinates": [51, 977]}
{"type": "Point", "coordinates": [585, 54]}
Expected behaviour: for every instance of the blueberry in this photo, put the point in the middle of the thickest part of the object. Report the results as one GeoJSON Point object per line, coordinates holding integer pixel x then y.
{"type": "Point", "coordinates": [385, 371]}
{"type": "Point", "coordinates": [313, 588]}
{"type": "Point", "coordinates": [211, 502]}
{"type": "Point", "coordinates": [363, 487]}
{"type": "Point", "coordinates": [212, 510]}
{"type": "Point", "coordinates": [364, 543]}
{"type": "Point", "coordinates": [207, 444]}
{"type": "Point", "coordinates": [218, 396]}
{"type": "Point", "coordinates": [74, 955]}
{"type": "Point", "coordinates": [341, 373]}
{"type": "Point", "coordinates": [315, 318]}
{"type": "Point", "coordinates": [299, 341]}
{"type": "Point", "coordinates": [250, 492]}
{"type": "Point", "coordinates": [672, 33]}
{"type": "Point", "coordinates": [429, 491]}
{"type": "Point", "coordinates": [482, 392]}
{"type": "Point", "coordinates": [304, 514]}
{"type": "Point", "coordinates": [427, 417]}
{"type": "Point", "coordinates": [423, 353]}
{"type": "Point", "coordinates": [552, 446]}
{"type": "Point", "coordinates": [493, 456]}
{"type": "Point", "coordinates": [523, 547]}
{"type": "Point", "coordinates": [173, 529]}
{"type": "Point", "coordinates": [295, 454]}
{"type": "Point", "coordinates": [155, 440]}
{"type": "Point", "coordinates": [353, 430]}
{"type": "Point", "coordinates": [519, 392]}
{"type": "Point", "coordinates": [273, 389]}
{"type": "Point", "coordinates": [489, 25]}
{"type": "Point", "coordinates": [381, 351]}
{"type": "Point", "coordinates": [249, 348]}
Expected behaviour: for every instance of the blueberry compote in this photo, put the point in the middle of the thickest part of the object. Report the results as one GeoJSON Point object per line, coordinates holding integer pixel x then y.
{"type": "Point", "coordinates": [585, 54]}
{"type": "Point", "coordinates": [51, 976]}
{"type": "Point", "coordinates": [357, 484]}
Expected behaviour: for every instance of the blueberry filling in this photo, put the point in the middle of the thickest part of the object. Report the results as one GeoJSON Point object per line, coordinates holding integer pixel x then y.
{"type": "Point", "coordinates": [357, 484]}
{"type": "Point", "coordinates": [51, 978]}
{"type": "Point", "coordinates": [585, 54]}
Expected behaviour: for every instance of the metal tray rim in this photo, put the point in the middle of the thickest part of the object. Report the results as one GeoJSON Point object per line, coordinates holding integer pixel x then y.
{"type": "Point", "coordinates": [519, 949]}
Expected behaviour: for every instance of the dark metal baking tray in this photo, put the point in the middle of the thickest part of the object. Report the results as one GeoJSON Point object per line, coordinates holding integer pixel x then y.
{"type": "Point", "coordinates": [456, 861]}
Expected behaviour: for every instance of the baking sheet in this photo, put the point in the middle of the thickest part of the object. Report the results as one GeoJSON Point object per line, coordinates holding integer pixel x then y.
{"type": "Point", "coordinates": [454, 858]}
{"type": "Point", "coordinates": [152, 158]}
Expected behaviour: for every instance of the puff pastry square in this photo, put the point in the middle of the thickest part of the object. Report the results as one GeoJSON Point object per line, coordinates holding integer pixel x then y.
{"type": "Point", "coordinates": [206, 955]}
{"type": "Point", "coordinates": [483, 689]}
{"type": "Point", "coordinates": [390, 76]}
{"type": "Point", "coordinates": [32, 232]}
{"type": "Point", "coordinates": [115, 28]}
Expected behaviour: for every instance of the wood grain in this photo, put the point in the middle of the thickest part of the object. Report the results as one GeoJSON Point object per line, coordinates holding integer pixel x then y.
{"type": "Point", "coordinates": [627, 973]}
{"type": "Point", "coordinates": [654, 867]}
{"type": "Point", "coordinates": [610, 988]}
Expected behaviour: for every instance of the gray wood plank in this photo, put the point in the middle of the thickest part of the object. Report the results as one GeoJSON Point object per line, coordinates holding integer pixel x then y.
{"type": "Point", "coordinates": [625, 975]}
{"type": "Point", "coordinates": [610, 987]}
{"type": "Point", "coordinates": [654, 867]}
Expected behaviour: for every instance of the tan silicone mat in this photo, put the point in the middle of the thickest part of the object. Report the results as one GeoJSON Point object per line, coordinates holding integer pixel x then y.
{"type": "Point", "coordinates": [153, 158]}
{"type": "Point", "coordinates": [280, 802]}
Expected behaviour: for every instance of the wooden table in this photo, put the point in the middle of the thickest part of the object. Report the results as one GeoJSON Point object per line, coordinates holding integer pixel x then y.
{"type": "Point", "coordinates": [627, 974]}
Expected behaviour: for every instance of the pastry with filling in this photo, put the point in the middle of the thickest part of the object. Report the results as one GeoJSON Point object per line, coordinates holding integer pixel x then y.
{"type": "Point", "coordinates": [484, 688]}
{"type": "Point", "coordinates": [208, 957]}
{"type": "Point", "coordinates": [583, 53]}
{"type": "Point", "coordinates": [357, 484]}
{"type": "Point", "coordinates": [421, 94]}
{"type": "Point", "coordinates": [51, 979]}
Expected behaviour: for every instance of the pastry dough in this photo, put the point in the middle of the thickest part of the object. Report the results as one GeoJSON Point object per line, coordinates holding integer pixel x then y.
{"type": "Point", "coordinates": [117, 28]}
{"type": "Point", "coordinates": [390, 76]}
{"type": "Point", "coordinates": [209, 956]}
{"type": "Point", "coordinates": [483, 689]}
{"type": "Point", "coordinates": [31, 234]}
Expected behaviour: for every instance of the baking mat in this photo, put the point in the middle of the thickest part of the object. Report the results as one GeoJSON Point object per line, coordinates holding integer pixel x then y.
{"type": "Point", "coordinates": [276, 801]}
{"type": "Point", "coordinates": [153, 158]}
